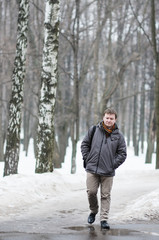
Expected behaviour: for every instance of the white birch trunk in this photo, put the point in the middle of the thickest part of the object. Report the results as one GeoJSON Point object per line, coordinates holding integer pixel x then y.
{"type": "Point", "coordinates": [14, 125]}
{"type": "Point", "coordinates": [45, 131]}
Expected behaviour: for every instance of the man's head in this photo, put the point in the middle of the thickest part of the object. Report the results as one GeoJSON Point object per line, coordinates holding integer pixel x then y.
{"type": "Point", "coordinates": [109, 117]}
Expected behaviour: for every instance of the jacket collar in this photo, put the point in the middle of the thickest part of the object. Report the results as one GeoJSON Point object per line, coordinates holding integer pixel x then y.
{"type": "Point", "coordinates": [116, 129]}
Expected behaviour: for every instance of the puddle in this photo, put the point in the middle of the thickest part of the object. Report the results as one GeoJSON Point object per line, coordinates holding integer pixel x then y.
{"type": "Point", "coordinates": [77, 228]}
{"type": "Point", "coordinates": [112, 232]}
{"type": "Point", "coordinates": [95, 231]}
{"type": "Point", "coordinates": [82, 232]}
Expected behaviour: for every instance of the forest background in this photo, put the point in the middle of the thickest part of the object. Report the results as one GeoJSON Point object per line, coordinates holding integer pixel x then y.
{"type": "Point", "coordinates": [108, 57]}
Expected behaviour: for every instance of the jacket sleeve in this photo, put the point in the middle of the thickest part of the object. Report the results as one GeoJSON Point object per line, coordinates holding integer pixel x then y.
{"type": "Point", "coordinates": [121, 153]}
{"type": "Point", "coordinates": [86, 144]}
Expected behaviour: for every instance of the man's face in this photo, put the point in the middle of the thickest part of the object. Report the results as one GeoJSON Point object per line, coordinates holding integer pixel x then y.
{"type": "Point", "coordinates": [109, 120]}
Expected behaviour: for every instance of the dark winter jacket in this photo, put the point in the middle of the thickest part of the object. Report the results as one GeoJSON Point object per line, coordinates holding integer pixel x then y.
{"type": "Point", "coordinates": [101, 154]}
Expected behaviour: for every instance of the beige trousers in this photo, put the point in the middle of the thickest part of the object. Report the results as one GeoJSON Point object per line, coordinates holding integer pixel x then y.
{"type": "Point", "coordinates": [93, 182]}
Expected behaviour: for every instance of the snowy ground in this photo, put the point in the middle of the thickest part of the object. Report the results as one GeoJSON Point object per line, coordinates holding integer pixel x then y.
{"type": "Point", "coordinates": [135, 191]}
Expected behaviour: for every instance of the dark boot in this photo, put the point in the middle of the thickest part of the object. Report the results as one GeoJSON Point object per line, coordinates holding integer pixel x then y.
{"type": "Point", "coordinates": [104, 225]}
{"type": "Point", "coordinates": [91, 218]}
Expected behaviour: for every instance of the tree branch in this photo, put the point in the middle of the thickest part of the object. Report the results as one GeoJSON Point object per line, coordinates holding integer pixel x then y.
{"type": "Point", "coordinates": [140, 24]}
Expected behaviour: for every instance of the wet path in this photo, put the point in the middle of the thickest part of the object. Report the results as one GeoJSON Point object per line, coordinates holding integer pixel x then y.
{"type": "Point", "coordinates": [124, 232]}
{"type": "Point", "coordinates": [64, 216]}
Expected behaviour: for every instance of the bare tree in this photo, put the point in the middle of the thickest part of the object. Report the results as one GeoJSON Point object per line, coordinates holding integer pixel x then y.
{"type": "Point", "coordinates": [14, 126]}
{"type": "Point", "coordinates": [156, 58]}
{"type": "Point", "coordinates": [1, 132]}
{"type": "Point", "coordinates": [75, 117]}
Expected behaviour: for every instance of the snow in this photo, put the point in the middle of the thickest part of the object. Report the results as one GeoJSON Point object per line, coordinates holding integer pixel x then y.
{"type": "Point", "coordinates": [135, 191]}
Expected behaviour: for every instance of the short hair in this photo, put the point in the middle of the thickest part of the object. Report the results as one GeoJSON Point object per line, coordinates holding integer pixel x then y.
{"type": "Point", "coordinates": [110, 111]}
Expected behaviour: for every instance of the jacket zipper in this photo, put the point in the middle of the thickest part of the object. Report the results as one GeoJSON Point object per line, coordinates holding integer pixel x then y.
{"type": "Point", "coordinates": [99, 154]}
{"type": "Point", "coordinates": [110, 155]}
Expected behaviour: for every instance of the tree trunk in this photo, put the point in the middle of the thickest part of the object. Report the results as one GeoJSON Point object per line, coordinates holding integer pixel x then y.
{"type": "Point", "coordinates": [14, 126]}
{"type": "Point", "coordinates": [56, 156]}
{"type": "Point", "coordinates": [26, 130]}
{"type": "Point", "coordinates": [45, 131]}
{"type": "Point", "coordinates": [129, 124]}
{"type": "Point", "coordinates": [156, 57]}
{"type": "Point", "coordinates": [75, 124]}
{"type": "Point", "coordinates": [74, 148]}
{"type": "Point", "coordinates": [135, 135]}
{"type": "Point", "coordinates": [96, 63]}
{"type": "Point", "coordinates": [151, 139]}
{"type": "Point", "coordinates": [63, 140]}
{"type": "Point", "coordinates": [142, 118]}
{"type": "Point", "coordinates": [149, 150]}
{"type": "Point", "coordinates": [1, 131]}
{"type": "Point", "coordinates": [157, 111]}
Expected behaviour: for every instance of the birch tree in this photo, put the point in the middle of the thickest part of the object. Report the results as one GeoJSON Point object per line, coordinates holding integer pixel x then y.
{"type": "Point", "coordinates": [13, 134]}
{"type": "Point", "coordinates": [45, 131]}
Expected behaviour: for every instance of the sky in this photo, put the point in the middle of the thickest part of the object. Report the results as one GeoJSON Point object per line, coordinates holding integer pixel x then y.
{"type": "Point", "coordinates": [135, 193]}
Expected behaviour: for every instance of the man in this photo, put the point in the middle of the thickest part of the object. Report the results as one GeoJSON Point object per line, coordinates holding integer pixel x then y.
{"type": "Point", "coordinates": [103, 150]}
